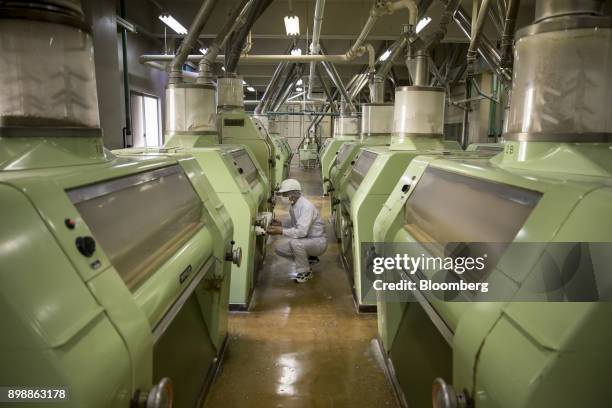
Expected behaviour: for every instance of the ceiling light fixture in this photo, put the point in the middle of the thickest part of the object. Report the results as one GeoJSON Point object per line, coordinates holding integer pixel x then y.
{"type": "Point", "coordinates": [173, 24]}
{"type": "Point", "coordinates": [422, 24]}
{"type": "Point", "coordinates": [385, 55]}
{"type": "Point", "coordinates": [292, 23]}
{"type": "Point", "coordinates": [250, 89]}
{"type": "Point", "coordinates": [296, 51]}
{"type": "Point", "coordinates": [204, 50]}
{"type": "Point", "coordinates": [299, 89]}
{"type": "Point", "coordinates": [299, 82]}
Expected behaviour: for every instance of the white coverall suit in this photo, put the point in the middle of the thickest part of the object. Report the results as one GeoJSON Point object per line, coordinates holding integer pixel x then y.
{"type": "Point", "coordinates": [303, 235]}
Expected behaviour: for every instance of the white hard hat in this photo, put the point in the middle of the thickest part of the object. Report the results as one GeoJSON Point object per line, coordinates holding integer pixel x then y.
{"type": "Point", "coordinates": [289, 185]}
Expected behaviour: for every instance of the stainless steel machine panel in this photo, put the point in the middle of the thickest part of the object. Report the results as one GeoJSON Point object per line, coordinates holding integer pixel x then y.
{"type": "Point", "coordinates": [360, 169]}
{"type": "Point", "coordinates": [343, 153]}
{"type": "Point", "coordinates": [140, 220]}
{"type": "Point", "coordinates": [446, 209]}
{"type": "Point", "coordinates": [245, 165]}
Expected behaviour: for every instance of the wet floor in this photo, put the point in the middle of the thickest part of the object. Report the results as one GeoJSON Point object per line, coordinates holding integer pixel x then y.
{"type": "Point", "coordinates": [302, 345]}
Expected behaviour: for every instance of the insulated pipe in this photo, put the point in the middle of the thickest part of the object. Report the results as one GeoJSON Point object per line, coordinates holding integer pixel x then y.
{"type": "Point", "coordinates": [271, 85]}
{"type": "Point", "coordinates": [333, 74]}
{"type": "Point", "coordinates": [486, 49]}
{"type": "Point", "coordinates": [507, 38]}
{"type": "Point", "coordinates": [176, 67]}
{"type": "Point", "coordinates": [283, 97]}
{"type": "Point", "coordinates": [314, 45]}
{"type": "Point", "coordinates": [236, 18]}
{"type": "Point", "coordinates": [235, 46]}
{"type": "Point", "coordinates": [358, 49]}
{"type": "Point", "coordinates": [286, 84]}
{"type": "Point", "coordinates": [326, 89]}
{"type": "Point", "coordinates": [477, 33]}
{"type": "Point", "coordinates": [377, 86]}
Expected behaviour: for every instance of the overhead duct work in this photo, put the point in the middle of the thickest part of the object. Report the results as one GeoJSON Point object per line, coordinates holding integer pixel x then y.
{"type": "Point", "coordinates": [379, 9]}
{"type": "Point", "coordinates": [191, 107]}
{"type": "Point", "coordinates": [236, 19]}
{"type": "Point", "coordinates": [236, 43]}
{"type": "Point", "coordinates": [176, 67]}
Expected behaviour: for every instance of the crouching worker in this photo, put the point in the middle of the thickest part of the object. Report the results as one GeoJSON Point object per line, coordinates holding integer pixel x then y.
{"type": "Point", "coordinates": [303, 234]}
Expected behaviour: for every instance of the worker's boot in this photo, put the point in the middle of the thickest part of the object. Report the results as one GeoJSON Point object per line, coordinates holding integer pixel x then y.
{"type": "Point", "coordinates": [304, 277]}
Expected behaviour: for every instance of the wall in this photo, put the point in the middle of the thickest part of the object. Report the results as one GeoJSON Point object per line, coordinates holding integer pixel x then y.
{"type": "Point", "coordinates": [101, 14]}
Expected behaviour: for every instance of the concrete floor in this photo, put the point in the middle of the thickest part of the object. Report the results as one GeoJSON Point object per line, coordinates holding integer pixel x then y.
{"type": "Point", "coordinates": [302, 345]}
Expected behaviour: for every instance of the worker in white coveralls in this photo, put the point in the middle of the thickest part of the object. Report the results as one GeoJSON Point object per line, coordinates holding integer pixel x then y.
{"type": "Point", "coordinates": [304, 237]}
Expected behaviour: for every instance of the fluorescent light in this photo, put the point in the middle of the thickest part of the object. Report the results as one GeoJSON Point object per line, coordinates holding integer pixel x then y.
{"type": "Point", "coordinates": [173, 24]}
{"type": "Point", "coordinates": [204, 50]}
{"type": "Point", "coordinates": [292, 25]}
{"type": "Point", "coordinates": [296, 51]}
{"type": "Point", "coordinates": [385, 55]}
{"type": "Point", "coordinates": [250, 89]}
{"type": "Point", "coordinates": [244, 82]}
{"type": "Point", "coordinates": [299, 82]}
{"type": "Point", "coordinates": [223, 68]}
{"type": "Point", "coordinates": [422, 24]}
{"type": "Point", "coordinates": [299, 89]}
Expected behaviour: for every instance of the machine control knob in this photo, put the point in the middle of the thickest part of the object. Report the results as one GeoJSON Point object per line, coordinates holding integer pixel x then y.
{"type": "Point", "coordinates": [235, 256]}
{"type": "Point", "coordinates": [443, 395]}
{"type": "Point", "coordinates": [160, 396]}
{"type": "Point", "coordinates": [86, 246]}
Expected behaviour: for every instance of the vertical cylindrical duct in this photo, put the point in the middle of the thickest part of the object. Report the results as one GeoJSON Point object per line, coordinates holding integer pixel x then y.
{"type": "Point", "coordinates": [190, 109]}
{"type": "Point", "coordinates": [376, 120]}
{"type": "Point", "coordinates": [230, 93]}
{"type": "Point", "coordinates": [562, 88]}
{"type": "Point", "coordinates": [419, 111]}
{"type": "Point", "coordinates": [47, 66]}
{"type": "Point", "coordinates": [346, 127]}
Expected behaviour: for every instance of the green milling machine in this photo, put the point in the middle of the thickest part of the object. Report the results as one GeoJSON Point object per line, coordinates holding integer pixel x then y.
{"type": "Point", "coordinates": [551, 190]}
{"type": "Point", "coordinates": [283, 154]}
{"type": "Point", "coordinates": [233, 170]}
{"type": "Point", "coordinates": [115, 271]}
{"type": "Point", "coordinates": [375, 131]}
{"type": "Point", "coordinates": [417, 128]}
{"type": "Point", "coordinates": [235, 126]}
{"type": "Point", "coordinates": [346, 129]}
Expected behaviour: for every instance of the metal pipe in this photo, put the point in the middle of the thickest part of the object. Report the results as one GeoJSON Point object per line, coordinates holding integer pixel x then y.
{"type": "Point", "coordinates": [236, 18]}
{"type": "Point", "coordinates": [333, 74]}
{"type": "Point", "coordinates": [234, 47]}
{"type": "Point", "coordinates": [476, 34]}
{"type": "Point", "coordinates": [190, 40]}
{"type": "Point", "coordinates": [507, 38]}
{"type": "Point", "coordinates": [271, 85]}
{"type": "Point", "coordinates": [314, 45]}
{"type": "Point", "coordinates": [326, 89]}
{"type": "Point", "coordinates": [377, 84]}
{"type": "Point", "coordinates": [280, 91]}
{"type": "Point", "coordinates": [486, 49]}
{"type": "Point", "coordinates": [283, 97]}
{"type": "Point", "coordinates": [127, 130]}
{"type": "Point", "coordinates": [358, 48]}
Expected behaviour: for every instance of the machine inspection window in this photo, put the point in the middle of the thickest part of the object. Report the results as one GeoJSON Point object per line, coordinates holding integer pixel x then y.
{"type": "Point", "coordinates": [362, 165]}
{"type": "Point", "coordinates": [245, 165]}
{"type": "Point", "coordinates": [140, 220]}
